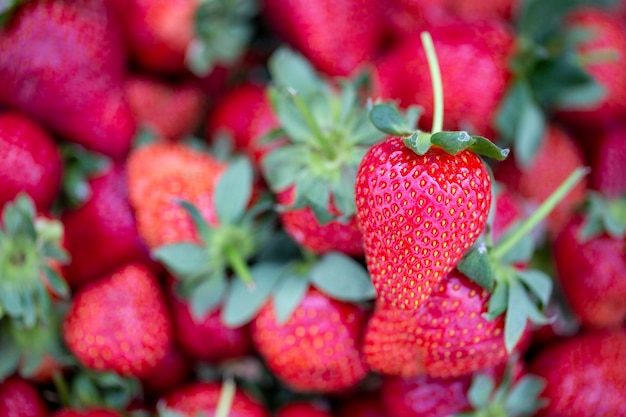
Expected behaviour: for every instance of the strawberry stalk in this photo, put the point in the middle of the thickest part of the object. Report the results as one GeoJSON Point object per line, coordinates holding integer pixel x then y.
{"type": "Point", "coordinates": [227, 395]}
{"type": "Point", "coordinates": [435, 75]}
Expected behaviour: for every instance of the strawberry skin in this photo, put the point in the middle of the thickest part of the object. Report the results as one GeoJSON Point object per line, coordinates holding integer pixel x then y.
{"type": "Point", "coordinates": [100, 412]}
{"type": "Point", "coordinates": [120, 323]}
{"type": "Point", "coordinates": [75, 86]}
{"type": "Point", "coordinates": [302, 409]}
{"type": "Point", "coordinates": [318, 348]}
{"type": "Point", "coordinates": [608, 159]}
{"type": "Point", "coordinates": [592, 275]}
{"type": "Point", "coordinates": [418, 216]}
{"type": "Point", "coordinates": [19, 398]}
{"type": "Point", "coordinates": [171, 371]}
{"type": "Point", "coordinates": [584, 375]}
{"type": "Point", "coordinates": [31, 161]}
{"type": "Point", "coordinates": [202, 397]}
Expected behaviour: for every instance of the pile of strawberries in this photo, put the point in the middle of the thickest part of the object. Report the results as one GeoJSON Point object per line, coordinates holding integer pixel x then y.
{"type": "Point", "coordinates": [355, 208]}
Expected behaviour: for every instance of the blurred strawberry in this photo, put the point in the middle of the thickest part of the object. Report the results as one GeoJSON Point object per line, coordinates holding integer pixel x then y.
{"type": "Point", "coordinates": [31, 161]}
{"type": "Point", "coordinates": [362, 404]}
{"type": "Point", "coordinates": [608, 159]}
{"type": "Point", "coordinates": [170, 110]}
{"type": "Point", "coordinates": [169, 373]}
{"type": "Point", "coordinates": [302, 409]}
{"type": "Point", "coordinates": [20, 398]}
{"type": "Point", "coordinates": [75, 86]}
{"type": "Point", "coordinates": [99, 412]}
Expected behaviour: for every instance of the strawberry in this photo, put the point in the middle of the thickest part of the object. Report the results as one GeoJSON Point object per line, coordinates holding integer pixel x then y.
{"type": "Point", "coordinates": [608, 159]}
{"type": "Point", "coordinates": [75, 86]}
{"type": "Point", "coordinates": [590, 264]}
{"type": "Point", "coordinates": [499, 9]}
{"type": "Point", "coordinates": [19, 398]}
{"type": "Point", "coordinates": [172, 111]}
{"type": "Point", "coordinates": [302, 409]}
{"type": "Point", "coordinates": [119, 323]}
{"type": "Point", "coordinates": [584, 375]}
{"type": "Point", "coordinates": [111, 239]}
{"type": "Point", "coordinates": [355, 25]}
{"type": "Point", "coordinates": [362, 404]}
{"type": "Point", "coordinates": [31, 161]}
{"type": "Point", "coordinates": [202, 397]}
{"type": "Point", "coordinates": [171, 372]}
{"type": "Point", "coordinates": [317, 349]}
{"type": "Point", "coordinates": [96, 412]}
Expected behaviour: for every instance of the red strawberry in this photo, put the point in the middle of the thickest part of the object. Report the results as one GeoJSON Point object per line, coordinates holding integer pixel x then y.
{"type": "Point", "coordinates": [120, 323]}
{"type": "Point", "coordinates": [75, 86]}
{"type": "Point", "coordinates": [96, 412]}
{"type": "Point", "coordinates": [101, 234]}
{"type": "Point", "coordinates": [170, 372]}
{"type": "Point", "coordinates": [591, 272]}
{"type": "Point", "coordinates": [302, 409]}
{"type": "Point", "coordinates": [473, 60]}
{"type": "Point", "coordinates": [499, 9]}
{"type": "Point", "coordinates": [318, 348]}
{"type": "Point", "coordinates": [608, 159]}
{"type": "Point", "coordinates": [336, 37]}
{"type": "Point", "coordinates": [19, 398]}
{"type": "Point", "coordinates": [606, 35]}
{"type": "Point", "coordinates": [31, 161]}
{"type": "Point", "coordinates": [419, 214]}
{"type": "Point", "coordinates": [170, 110]}
{"type": "Point", "coordinates": [363, 404]}
{"type": "Point", "coordinates": [202, 397]}
{"type": "Point", "coordinates": [404, 17]}
{"type": "Point", "coordinates": [584, 375]}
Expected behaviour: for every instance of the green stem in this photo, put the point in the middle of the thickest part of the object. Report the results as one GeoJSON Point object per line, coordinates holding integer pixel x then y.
{"type": "Point", "coordinates": [435, 75]}
{"type": "Point", "coordinates": [240, 267]}
{"type": "Point", "coordinates": [544, 209]}
{"type": "Point", "coordinates": [227, 395]}
{"type": "Point", "coordinates": [61, 387]}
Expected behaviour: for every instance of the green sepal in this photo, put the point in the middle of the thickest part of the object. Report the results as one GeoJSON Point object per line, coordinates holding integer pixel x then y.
{"type": "Point", "coordinates": [183, 259]}
{"type": "Point", "coordinates": [342, 278]}
{"type": "Point", "coordinates": [476, 265]}
{"type": "Point", "coordinates": [290, 69]}
{"type": "Point", "coordinates": [538, 282]}
{"type": "Point", "coordinates": [284, 165]}
{"type": "Point", "coordinates": [57, 283]}
{"type": "Point", "coordinates": [243, 302]}
{"type": "Point", "coordinates": [233, 191]}
{"type": "Point", "coordinates": [480, 391]}
{"type": "Point", "coordinates": [7, 9]}
{"type": "Point", "coordinates": [388, 119]}
{"type": "Point", "coordinates": [92, 389]}
{"type": "Point", "coordinates": [207, 294]}
{"type": "Point", "coordinates": [204, 229]}
{"type": "Point", "coordinates": [163, 411]}
{"type": "Point", "coordinates": [523, 249]}
{"type": "Point", "coordinates": [498, 301]}
{"type": "Point", "coordinates": [418, 141]}
{"type": "Point", "coordinates": [524, 400]}
{"type": "Point", "coordinates": [485, 147]}
{"type": "Point", "coordinates": [10, 354]}
{"type": "Point", "coordinates": [452, 142]}
{"type": "Point", "coordinates": [603, 215]}
{"type": "Point", "coordinates": [520, 310]}
{"type": "Point", "coordinates": [291, 119]}
{"type": "Point", "coordinates": [288, 293]}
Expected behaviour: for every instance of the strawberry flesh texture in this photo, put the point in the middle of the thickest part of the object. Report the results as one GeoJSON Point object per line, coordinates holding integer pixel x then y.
{"type": "Point", "coordinates": [75, 84]}
{"type": "Point", "coordinates": [592, 275]}
{"type": "Point", "coordinates": [120, 323]}
{"type": "Point", "coordinates": [318, 348]}
{"type": "Point", "coordinates": [31, 162]}
{"type": "Point", "coordinates": [418, 215]}
{"type": "Point", "coordinates": [20, 398]}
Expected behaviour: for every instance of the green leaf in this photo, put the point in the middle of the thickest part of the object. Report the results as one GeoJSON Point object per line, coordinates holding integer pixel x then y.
{"type": "Point", "coordinates": [243, 302]}
{"type": "Point", "coordinates": [387, 119]}
{"type": "Point", "coordinates": [30, 362]}
{"type": "Point", "coordinates": [521, 251]}
{"type": "Point", "coordinates": [10, 355]}
{"type": "Point", "coordinates": [485, 147]}
{"type": "Point", "coordinates": [580, 96]}
{"type": "Point", "coordinates": [523, 399]}
{"type": "Point", "coordinates": [498, 300]}
{"type": "Point", "coordinates": [290, 117]}
{"type": "Point", "coordinates": [476, 265]}
{"type": "Point", "coordinates": [480, 391]}
{"type": "Point", "coordinates": [290, 69]}
{"type": "Point", "coordinates": [538, 282]}
{"type": "Point", "coordinates": [288, 293]}
{"type": "Point", "coordinates": [452, 142]}
{"type": "Point", "coordinates": [51, 250]}
{"type": "Point", "coordinates": [419, 142]}
{"type": "Point", "coordinates": [183, 259]}
{"type": "Point", "coordinates": [206, 296]}
{"type": "Point", "coordinates": [233, 191]}
{"type": "Point", "coordinates": [342, 278]}
{"type": "Point", "coordinates": [343, 192]}
{"type": "Point", "coordinates": [530, 132]}
{"type": "Point", "coordinates": [10, 300]}
{"type": "Point", "coordinates": [284, 165]}
{"type": "Point", "coordinates": [57, 283]}
{"type": "Point", "coordinates": [204, 230]}
{"type": "Point", "coordinates": [520, 310]}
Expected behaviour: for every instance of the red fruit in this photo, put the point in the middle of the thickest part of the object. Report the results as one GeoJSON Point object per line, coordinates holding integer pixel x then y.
{"type": "Point", "coordinates": [557, 157]}
{"type": "Point", "coordinates": [473, 61]}
{"type": "Point", "coordinates": [418, 215]}
{"type": "Point", "coordinates": [170, 372]}
{"type": "Point", "coordinates": [75, 84]}
{"type": "Point", "coordinates": [337, 37]}
{"type": "Point", "coordinates": [364, 404]}
{"type": "Point", "coordinates": [101, 235]}
{"type": "Point", "coordinates": [592, 275]}
{"type": "Point", "coordinates": [608, 160]}
{"type": "Point", "coordinates": [487, 9]}
{"type": "Point", "coordinates": [31, 161]}
{"type": "Point", "coordinates": [261, 123]}
{"type": "Point", "coordinates": [120, 323]}
{"type": "Point", "coordinates": [405, 17]}
{"type": "Point", "coordinates": [202, 397]}
{"type": "Point", "coordinates": [100, 412]}
{"type": "Point", "coordinates": [171, 110]}
{"type": "Point", "coordinates": [19, 398]}
{"type": "Point", "coordinates": [318, 348]}
{"type": "Point", "coordinates": [584, 375]}
{"type": "Point", "coordinates": [607, 33]}
{"type": "Point", "coordinates": [302, 409]}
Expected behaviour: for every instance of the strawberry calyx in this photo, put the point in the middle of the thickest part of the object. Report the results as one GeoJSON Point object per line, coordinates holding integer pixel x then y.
{"type": "Point", "coordinates": [520, 293]}
{"type": "Point", "coordinates": [603, 215]}
{"type": "Point", "coordinates": [7, 9]}
{"type": "Point", "coordinates": [29, 247]}
{"type": "Point", "coordinates": [202, 268]}
{"type": "Point", "coordinates": [286, 280]}
{"type": "Point", "coordinates": [328, 132]}
{"type": "Point", "coordinates": [223, 29]}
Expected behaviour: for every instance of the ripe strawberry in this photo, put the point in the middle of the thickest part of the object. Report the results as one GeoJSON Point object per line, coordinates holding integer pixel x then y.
{"type": "Point", "coordinates": [119, 323]}
{"type": "Point", "coordinates": [606, 35]}
{"type": "Point", "coordinates": [19, 398]}
{"type": "Point", "coordinates": [170, 110]}
{"type": "Point", "coordinates": [31, 161]}
{"type": "Point", "coordinates": [111, 238]}
{"type": "Point", "coordinates": [584, 375]}
{"type": "Point", "coordinates": [419, 214]}
{"type": "Point", "coordinates": [202, 397]}
{"type": "Point", "coordinates": [473, 58]}
{"type": "Point", "coordinates": [302, 409]}
{"type": "Point", "coordinates": [607, 159]}
{"type": "Point", "coordinates": [545, 172]}
{"type": "Point", "coordinates": [498, 9]}
{"type": "Point", "coordinates": [170, 372]}
{"type": "Point", "coordinates": [591, 273]}
{"type": "Point", "coordinates": [96, 412]}
{"type": "Point", "coordinates": [355, 25]}
{"type": "Point", "coordinates": [318, 348]}
{"type": "Point", "coordinates": [362, 404]}
{"type": "Point", "coordinates": [75, 86]}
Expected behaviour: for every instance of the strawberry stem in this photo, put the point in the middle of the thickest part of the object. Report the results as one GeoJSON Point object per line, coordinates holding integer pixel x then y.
{"type": "Point", "coordinates": [435, 74]}
{"type": "Point", "coordinates": [240, 267]}
{"type": "Point", "coordinates": [227, 395]}
{"type": "Point", "coordinates": [542, 211]}
{"type": "Point", "coordinates": [61, 387]}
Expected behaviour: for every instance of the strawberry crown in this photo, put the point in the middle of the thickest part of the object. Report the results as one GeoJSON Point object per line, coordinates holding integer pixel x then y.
{"type": "Point", "coordinates": [328, 134]}
{"type": "Point", "coordinates": [603, 215]}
